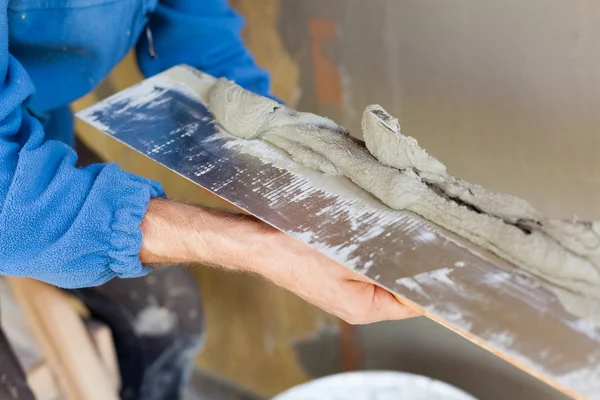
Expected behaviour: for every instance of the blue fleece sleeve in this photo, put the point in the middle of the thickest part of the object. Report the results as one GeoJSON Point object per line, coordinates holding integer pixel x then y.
{"type": "Point", "coordinates": [71, 227]}
{"type": "Point", "coordinates": [205, 34]}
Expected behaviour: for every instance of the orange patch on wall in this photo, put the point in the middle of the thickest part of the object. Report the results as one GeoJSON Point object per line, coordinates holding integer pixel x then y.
{"type": "Point", "coordinates": [327, 79]}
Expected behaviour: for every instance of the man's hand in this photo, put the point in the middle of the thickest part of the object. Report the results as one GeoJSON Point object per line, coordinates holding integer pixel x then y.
{"type": "Point", "coordinates": [327, 284]}
{"type": "Point", "coordinates": [179, 233]}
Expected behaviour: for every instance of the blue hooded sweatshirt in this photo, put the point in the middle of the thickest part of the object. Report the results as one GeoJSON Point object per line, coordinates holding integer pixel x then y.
{"type": "Point", "coordinates": [79, 227]}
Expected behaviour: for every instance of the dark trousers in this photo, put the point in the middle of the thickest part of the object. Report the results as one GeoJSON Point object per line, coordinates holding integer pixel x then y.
{"type": "Point", "coordinates": [156, 322]}
{"type": "Point", "coordinates": [157, 326]}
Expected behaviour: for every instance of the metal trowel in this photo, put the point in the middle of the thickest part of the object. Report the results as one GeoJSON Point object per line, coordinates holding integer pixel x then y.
{"type": "Point", "coordinates": [448, 279]}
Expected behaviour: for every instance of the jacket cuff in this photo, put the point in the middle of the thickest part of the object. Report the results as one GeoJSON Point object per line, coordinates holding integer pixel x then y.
{"type": "Point", "coordinates": [126, 237]}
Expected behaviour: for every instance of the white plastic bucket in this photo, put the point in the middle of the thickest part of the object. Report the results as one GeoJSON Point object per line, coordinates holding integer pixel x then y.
{"type": "Point", "coordinates": [374, 385]}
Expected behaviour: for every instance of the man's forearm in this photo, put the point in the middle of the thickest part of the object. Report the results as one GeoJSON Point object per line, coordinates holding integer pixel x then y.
{"type": "Point", "coordinates": [179, 233]}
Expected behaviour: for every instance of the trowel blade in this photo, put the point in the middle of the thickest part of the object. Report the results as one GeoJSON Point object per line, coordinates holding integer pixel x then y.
{"type": "Point", "coordinates": [450, 280]}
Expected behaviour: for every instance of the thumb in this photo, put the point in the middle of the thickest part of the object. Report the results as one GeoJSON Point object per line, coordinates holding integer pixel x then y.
{"type": "Point", "coordinates": [374, 304]}
{"type": "Point", "coordinates": [387, 307]}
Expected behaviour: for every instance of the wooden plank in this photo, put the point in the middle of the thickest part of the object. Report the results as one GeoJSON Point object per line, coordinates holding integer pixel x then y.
{"type": "Point", "coordinates": [17, 330]}
{"type": "Point", "coordinates": [21, 293]}
{"type": "Point", "coordinates": [41, 382]}
{"type": "Point", "coordinates": [105, 346]}
{"type": "Point", "coordinates": [68, 348]}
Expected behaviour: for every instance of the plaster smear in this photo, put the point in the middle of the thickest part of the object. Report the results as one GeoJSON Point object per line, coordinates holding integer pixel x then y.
{"type": "Point", "coordinates": [563, 253]}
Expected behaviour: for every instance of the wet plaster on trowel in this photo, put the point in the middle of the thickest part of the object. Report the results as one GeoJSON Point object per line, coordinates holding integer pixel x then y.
{"type": "Point", "coordinates": [564, 254]}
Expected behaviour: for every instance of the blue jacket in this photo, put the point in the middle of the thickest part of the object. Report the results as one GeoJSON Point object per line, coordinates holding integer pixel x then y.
{"type": "Point", "coordinates": [78, 227]}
